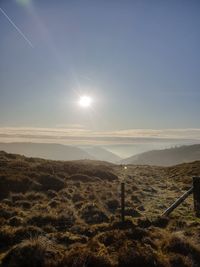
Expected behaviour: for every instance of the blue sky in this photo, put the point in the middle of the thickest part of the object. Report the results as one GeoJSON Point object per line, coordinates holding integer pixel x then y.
{"type": "Point", "coordinates": [138, 60]}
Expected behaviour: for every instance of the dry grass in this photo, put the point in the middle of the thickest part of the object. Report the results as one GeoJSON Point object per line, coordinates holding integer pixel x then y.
{"type": "Point", "coordinates": [67, 214]}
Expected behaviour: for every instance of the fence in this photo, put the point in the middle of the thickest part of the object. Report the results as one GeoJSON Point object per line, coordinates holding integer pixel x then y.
{"type": "Point", "coordinates": [195, 189]}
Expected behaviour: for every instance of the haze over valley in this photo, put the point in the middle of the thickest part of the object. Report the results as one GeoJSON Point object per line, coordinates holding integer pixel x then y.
{"type": "Point", "coordinates": [165, 157]}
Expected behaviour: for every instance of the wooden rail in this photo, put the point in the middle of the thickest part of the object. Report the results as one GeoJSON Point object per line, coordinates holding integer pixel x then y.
{"type": "Point", "coordinates": [195, 189]}
{"type": "Point", "coordinates": [177, 202]}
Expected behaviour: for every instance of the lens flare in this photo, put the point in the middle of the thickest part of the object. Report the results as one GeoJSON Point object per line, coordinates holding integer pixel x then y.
{"type": "Point", "coordinates": [24, 2]}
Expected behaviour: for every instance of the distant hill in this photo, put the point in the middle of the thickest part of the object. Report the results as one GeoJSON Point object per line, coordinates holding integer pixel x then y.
{"type": "Point", "coordinates": [100, 153]}
{"type": "Point", "coordinates": [166, 157]}
{"type": "Point", "coordinates": [46, 151]}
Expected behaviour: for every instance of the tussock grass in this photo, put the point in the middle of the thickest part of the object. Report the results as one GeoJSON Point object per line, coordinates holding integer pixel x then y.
{"type": "Point", "coordinates": [32, 253]}
{"type": "Point", "coordinates": [68, 214]}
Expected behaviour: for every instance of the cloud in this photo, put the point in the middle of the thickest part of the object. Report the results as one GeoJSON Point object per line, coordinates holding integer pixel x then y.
{"type": "Point", "coordinates": [78, 135]}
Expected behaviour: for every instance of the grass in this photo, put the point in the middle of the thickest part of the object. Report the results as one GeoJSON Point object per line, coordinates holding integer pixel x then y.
{"type": "Point", "coordinates": [68, 214]}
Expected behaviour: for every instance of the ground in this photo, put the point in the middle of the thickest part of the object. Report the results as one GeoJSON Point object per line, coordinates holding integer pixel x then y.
{"type": "Point", "coordinates": [55, 213]}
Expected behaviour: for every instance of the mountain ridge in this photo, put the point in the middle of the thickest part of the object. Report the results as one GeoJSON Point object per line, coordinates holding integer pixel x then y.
{"type": "Point", "coordinates": [46, 151]}
{"type": "Point", "coordinates": [166, 157]}
{"type": "Point", "coordinates": [55, 151]}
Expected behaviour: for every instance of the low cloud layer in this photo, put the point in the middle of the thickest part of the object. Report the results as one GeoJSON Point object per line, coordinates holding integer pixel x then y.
{"type": "Point", "coordinates": [84, 136]}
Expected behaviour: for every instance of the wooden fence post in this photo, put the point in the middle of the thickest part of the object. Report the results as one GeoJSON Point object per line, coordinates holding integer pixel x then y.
{"type": "Point", "coordinates": [123, 202]}
{"type": "Point", "coordinates": [196, 195]}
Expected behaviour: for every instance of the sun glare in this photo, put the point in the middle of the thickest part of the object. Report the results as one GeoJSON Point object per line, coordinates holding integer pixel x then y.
{"type": "Point", "coordinates": [85, 101]}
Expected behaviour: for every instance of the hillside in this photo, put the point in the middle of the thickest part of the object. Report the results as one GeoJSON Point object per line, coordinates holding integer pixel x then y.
{"type": "Point", "coordinates": [60, 152]}
{"type": "Point", "coordinates": [166, 157]}
{"type": "Point", "coordinates": [46, 151]}
{"type": "Point", "coordinates": [100, 153]}
{"type": "Point", "coordinates": [63, 214]}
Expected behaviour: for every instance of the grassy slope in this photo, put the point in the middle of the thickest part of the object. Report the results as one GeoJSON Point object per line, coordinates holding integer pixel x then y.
{"type": "Point", "coordinates": [46, 151]}
{"type": "Point", "coordinates": [67, 213]}
{"type": "Point", "coordinates": [166, 157]}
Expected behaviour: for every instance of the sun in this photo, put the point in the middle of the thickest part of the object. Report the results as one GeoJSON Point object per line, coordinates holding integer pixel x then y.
{"type": "Point", "coordinates": [85, 101]}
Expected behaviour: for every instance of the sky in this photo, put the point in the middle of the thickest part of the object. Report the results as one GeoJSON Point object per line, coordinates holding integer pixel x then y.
{"type": "Point", "coordinates": [139, 61]}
